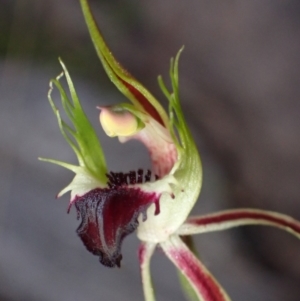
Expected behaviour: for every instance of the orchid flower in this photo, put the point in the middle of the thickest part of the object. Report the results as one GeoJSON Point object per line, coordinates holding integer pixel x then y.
{"type": "Point", "coordinates": [154, 203]}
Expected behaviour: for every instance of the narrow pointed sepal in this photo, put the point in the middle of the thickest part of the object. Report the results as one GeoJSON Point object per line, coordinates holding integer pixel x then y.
{"type": "Point", "coordinates": [79, 134]}
{"type": "Point", "coordinates": [239, 217]}
{"type": "Point", "coordinates": [186, 286]}
{"type": "Point", "coordinates": [126, 83]}
{"type": "Point", "coordinates": [204, 284]}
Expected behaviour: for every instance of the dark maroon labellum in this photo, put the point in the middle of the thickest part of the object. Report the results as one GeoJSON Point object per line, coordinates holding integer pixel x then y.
{"type": "Point", "coordinates": [110, 214]}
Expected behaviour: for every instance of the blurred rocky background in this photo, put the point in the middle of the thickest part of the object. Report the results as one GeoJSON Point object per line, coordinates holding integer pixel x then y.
{"type": "Point", "coordinates": [240, 90]}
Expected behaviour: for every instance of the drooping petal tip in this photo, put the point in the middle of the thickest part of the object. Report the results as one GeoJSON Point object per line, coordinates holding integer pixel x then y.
{"type": "Point", "coordinates": [108, 215]}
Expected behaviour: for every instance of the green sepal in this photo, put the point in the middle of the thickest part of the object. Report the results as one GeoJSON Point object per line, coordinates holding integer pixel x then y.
{"type": "Point", "coordinates": [81, 137]}
{"type": "Point", "coordinates": [178, 124]}
{"type": "Point", "coordinates": [189, 169]}
{"type": "Point", "coordinates": [117, 74]}
{"type": "Point", "coordinates": [186, 170]}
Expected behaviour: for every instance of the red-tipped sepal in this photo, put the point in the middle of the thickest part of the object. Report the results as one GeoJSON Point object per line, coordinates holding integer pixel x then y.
{"type": "Point", "coordinates": [204, 284]}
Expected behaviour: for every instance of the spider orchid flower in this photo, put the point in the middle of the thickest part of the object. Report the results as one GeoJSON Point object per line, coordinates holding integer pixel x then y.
{"type": "Point", "coordinates": [154, 203]}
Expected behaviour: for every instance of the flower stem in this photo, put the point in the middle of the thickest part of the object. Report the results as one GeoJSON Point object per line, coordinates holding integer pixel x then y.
{"type": "Point", "coordinates": [145, 252]}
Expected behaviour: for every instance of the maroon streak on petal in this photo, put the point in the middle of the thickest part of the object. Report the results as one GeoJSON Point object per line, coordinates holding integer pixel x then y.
{"type": "Point", "coordinates": [204, 284]}
{"type": "Point", "coordinates": [145, 252]}
{"type": "Point", "coordinates": [142, 253]}
{"type": "Point", "coordinates": [149, 108]}
{"type": "Point", "coordinates": [238, 217]}
{"type": "Point", "coordinates": [107, 216]}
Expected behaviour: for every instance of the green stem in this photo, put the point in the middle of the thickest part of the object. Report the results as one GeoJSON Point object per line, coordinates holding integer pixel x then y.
{"type": "Point", "coordinates": [145, 253]}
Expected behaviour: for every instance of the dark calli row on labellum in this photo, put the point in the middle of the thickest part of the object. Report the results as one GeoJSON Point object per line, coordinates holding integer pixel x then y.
{"type": "Point", "coordinates": [155, 203]}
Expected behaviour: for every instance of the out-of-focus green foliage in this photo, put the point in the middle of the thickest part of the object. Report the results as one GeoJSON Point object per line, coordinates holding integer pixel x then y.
{"type": "Point", "coordinates": [41, 30]}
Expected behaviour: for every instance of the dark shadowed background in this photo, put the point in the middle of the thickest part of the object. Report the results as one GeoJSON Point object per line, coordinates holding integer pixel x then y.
{"type": "Point", "coordinates": [240, 90]}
